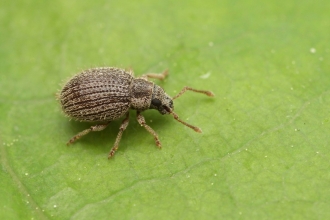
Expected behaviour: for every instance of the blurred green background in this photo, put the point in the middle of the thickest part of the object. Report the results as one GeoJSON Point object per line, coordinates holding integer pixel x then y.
{"type": "Point", "coordinates": [264, 151]}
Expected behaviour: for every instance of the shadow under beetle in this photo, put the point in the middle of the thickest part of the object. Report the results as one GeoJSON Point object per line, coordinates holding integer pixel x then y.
{"type": "Point", "coordinates": [108, 93]}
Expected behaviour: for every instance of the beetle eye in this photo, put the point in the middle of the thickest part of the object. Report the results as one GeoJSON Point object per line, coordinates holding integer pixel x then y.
{"type": "Point", "coordinates": [156, 102]}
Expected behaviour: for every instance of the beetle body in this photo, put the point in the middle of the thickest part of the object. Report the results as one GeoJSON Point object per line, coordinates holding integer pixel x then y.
{"type": "Point", "coordinates": [97, 95]}
{"type": "Point", "coordinates": [106, 94]}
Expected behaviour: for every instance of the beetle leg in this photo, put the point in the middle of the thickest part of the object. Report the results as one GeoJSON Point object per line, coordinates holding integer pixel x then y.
{"type": "Point", "coordinates": [84, 132]}
{"type": "Point", "coordinates": [142, 122]}
{"type": "Point", "coordinates": [122, 128]}
{"type": "Point", "coordinates": [159, 76]}
{"type": "Point", "coordinates": [208, 93]}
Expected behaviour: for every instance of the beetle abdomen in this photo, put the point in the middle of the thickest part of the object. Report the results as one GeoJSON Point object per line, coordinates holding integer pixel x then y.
{"type": "Point", "coordinates": [98, 94]}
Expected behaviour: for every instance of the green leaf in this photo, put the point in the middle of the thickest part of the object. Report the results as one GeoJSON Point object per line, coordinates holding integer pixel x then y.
{"type": "Point", "coordinates": [264, 150]}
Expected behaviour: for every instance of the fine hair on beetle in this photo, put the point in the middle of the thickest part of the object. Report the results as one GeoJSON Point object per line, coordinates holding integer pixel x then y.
{"type": "Point", "coordinates": [106, 94]}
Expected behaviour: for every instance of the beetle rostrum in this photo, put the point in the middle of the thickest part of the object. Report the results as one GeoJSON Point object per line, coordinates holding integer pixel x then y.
{"type": "Point", "coordinates": [106, 94]}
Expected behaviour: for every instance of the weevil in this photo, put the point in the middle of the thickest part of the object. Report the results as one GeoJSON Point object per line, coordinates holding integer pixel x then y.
{"type": "Point", "coordinates": [106, 94]}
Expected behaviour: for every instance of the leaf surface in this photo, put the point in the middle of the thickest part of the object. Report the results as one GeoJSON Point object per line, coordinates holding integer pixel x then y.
{"type": "Point", "coordinates": [264, 150]}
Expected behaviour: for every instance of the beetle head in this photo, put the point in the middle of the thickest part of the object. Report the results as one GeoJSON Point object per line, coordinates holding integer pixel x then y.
{"type": "Point", "coordinates": [161, 101]}
{"type": "Point", "coordinates": [164, 104]}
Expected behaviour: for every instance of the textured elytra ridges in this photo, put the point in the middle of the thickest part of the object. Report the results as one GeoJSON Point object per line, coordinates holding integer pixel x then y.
{"type": "Point", "coordinates": [99, 94]}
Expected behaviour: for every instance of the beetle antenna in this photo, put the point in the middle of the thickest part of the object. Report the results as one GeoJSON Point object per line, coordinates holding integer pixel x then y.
{"type": "Point", "coordinates": [176, 117]}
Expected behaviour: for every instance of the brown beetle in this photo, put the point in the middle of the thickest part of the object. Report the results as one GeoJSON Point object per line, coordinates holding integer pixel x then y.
{"type": "Point", "coordinates": [107, 93]}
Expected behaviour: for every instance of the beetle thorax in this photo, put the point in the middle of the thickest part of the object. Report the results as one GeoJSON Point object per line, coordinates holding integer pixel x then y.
{"type": "Point", "coordinates": [141, 94]}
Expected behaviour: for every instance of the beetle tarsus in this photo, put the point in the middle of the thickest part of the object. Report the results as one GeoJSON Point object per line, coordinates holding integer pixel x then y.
{"type": "Point", "coordinates": [112, 152]}
{"type": "Point", "coordinates": [159, 145]}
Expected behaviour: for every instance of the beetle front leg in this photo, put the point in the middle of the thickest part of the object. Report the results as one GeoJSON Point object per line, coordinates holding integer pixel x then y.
{"type": "Point", "coordinates": [122, 128]}
{"type": "Point", "coordinates": [84, 132]}
{"type": "Point", "coordinates": [159, 76]}
{"type": "Point", "coordinates": [142, 122]}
